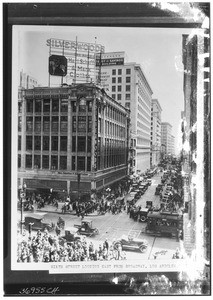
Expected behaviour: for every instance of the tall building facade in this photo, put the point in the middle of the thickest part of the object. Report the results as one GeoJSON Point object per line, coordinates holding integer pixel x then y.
{"type": "Point", "coordinates": [155, 132]}
{"type": "Point", "coordinates": [72, 139]}
{"type": "Point", "coordinates": [196, 146]}
{"type": "Point", "coordinates": [166, 133]}
{"type": "Point", "coordinates": [127, 84]}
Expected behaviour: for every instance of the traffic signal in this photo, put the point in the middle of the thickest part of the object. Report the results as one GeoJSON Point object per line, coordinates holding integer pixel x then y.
{"type": "Point", "coordinates": [57, 65]}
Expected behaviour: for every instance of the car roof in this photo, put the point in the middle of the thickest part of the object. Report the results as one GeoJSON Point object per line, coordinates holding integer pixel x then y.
{"type": "Point", "coordinates": [36, 215]}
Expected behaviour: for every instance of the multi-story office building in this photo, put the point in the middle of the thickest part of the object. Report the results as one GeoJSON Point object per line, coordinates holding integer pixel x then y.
{"type": "Point", "coordinates": [127, 84]}
{"type": "Point", "coordinates": [71, 138]}
{"type": "Point", "coordinates": [155, 132]}
{"type": "Point", "coordinates": [166, 133]}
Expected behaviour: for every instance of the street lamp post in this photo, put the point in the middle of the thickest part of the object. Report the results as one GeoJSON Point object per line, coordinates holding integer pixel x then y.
{"type": "Point", "coordinates": [23, 197]}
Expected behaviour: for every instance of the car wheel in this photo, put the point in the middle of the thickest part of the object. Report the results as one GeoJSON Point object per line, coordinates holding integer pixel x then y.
{"type": "Point", "coordinates": [117, 245]}
{"type": "Point", "coordinates": [142, 248]}
{"type": "Point", "coordinates": [143, 219]}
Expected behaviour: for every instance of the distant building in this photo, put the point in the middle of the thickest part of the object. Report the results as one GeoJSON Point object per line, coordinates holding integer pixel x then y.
{"type": "Point", "coordinates": [127, 84]}
{"type": "Point", "coordinates": [72, 139]}
{"type": "Point", "coordinates": [166, 133]}
{"type": "Point", "coordinates": [155, 132]}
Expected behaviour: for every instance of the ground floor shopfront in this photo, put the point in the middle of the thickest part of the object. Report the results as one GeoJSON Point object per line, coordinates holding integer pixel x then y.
{"type": "Point", "coordinates": [76, 184]}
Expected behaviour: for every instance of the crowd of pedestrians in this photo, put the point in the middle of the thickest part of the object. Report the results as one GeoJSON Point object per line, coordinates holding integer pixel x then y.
{"type": "Point", "coordinates": [44, 247]}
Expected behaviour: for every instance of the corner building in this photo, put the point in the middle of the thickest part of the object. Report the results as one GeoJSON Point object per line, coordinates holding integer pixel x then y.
{"type": "Point", "coordinates": [127, 84]}
{"type": "Point", "coordinates": [71, 139]}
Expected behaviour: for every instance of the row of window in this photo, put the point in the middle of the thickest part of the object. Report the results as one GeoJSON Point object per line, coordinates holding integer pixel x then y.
{"type": "Point", "coordinates": [44, 124]}
{"type": "Point", "coordinates": [115, 114]}
{"type": "Point", "coordinates": [119, 97]}
{"type": "Point", "coordinates": [119, 88]}
{"type": "Point", "coordinates": [55, 162]}
{"type": "Point", "coordinates": [128, 71]}
{"type": "Point", "coordinates": [119, 79]}
{"type": "Point", "coordinates": [55, 143]}
{"type": "Point", "coordinates": [56, 105]}
{"type": "Point", "coordinates": [111, 160]}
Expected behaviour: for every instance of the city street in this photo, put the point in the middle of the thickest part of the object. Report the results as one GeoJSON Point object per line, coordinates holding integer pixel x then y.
{"type": "Point", "coordinates": [113, 227]}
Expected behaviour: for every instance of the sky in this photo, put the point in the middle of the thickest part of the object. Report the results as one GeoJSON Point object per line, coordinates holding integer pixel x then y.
{"type": "Point", "coordinates": [157, 50]}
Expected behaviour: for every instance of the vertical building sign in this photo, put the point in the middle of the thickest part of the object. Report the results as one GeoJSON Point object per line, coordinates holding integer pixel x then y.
{"type": "Point", "coordinates": [80, 57]}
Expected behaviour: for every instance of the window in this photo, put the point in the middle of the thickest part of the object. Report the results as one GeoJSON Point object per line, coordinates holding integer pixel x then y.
{"type": "Point", "coordinates": [89, 127]}
{"type": "Point", "coordinates": [45, 162]}
{"type": "Point", "coordinates": [81, 143]}
{"type": "Point", "coordinates": [113, 96]}
{"type": "Point", "coordinates": [37, 105]}
{"type": "Point", "coordinates": [29, 142]}
{"type": "Point", "coordinates": [54, 162]}
{"type": "Point", "coordinates": [82, 124]}
{"type": "Point", "coordinates": [74, 106]}
{"type": "Point", "coordinates": [46, 143]}
{"type": "Point", "coordinates": [29, 124]}
{"type": "Point", "coordinates": [46, 105]}
{"type": "Point", "coordinates": [73, 144]}
{"type": "Point", "coordinates": [113, 88]}
{"type": "Point", "coordinates": [128, 71]}
{"type": "Point", "coordinates": [29, 106]}
{"type": "Point", "coordinates": [127, 96]}
{"type": "Point", "coordinates": [37, 143]}
{"type": "Point", "coordinates": [113, 72]}
{"type": "Point", "coordinates": [119, 96]}
{"type": "Point", "coordinates": [88, 164]}
{"type": "Point", "coordinates": [37, 161]}
{"type": "Point", "coordinates": [82, 105]}
{"type": "Point", "coordinates": [73, 163]}
{"type": "Point", "coordinates": [89, 106]}
{"type": "Point", "coordinates": [89, 144]}
{"type": "Point", "coordinates": [119, 79]}
{"type": "Point", "coordinates": [128, 79]}
{"type": "Point", "coordinates": [113, 79]}
{"type": "Point", "coordinates": [74, 124]}
{"type": "Point", "coordinates": [63, 162]}
{"type": "Point", "coordinates": [127, 88]}
{"type": "Point", "coordinates": [19, 142]}
{"type": "Point", "coordinates": [19, 107]}
{"type": "Point", "coordinates": [119, 71]}
{"type": "Point", "coordinates": [64, 124]}
{"type": "Point", "coordinates": [28, 161]}
{"type": "Point", "coordinates": [19, 160]}
{"type": "Point", "coordinates": [63, 143]}
{"type": "Point", "coordinates": [54, 143]}
{"type": "Point", "coordinates": [64, 105]}
{"type": "Point", "coordinates": [19, 123]}
{"type": "Point", "coordinates": [55, 105]}
{"type": "Point", "coordinates": [46, 124]}
{"type": "Point", "coordinates": [119, 88]}
{"type": "Point", "coordinates": [55, 124]}
{"type": "Point", "coordinates": [37, 124]}
{"type": "Point", "coordinates": [81, 163]}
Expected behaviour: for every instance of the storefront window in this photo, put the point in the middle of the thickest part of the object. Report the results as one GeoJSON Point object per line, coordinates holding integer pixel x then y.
{"type": "Point", "coordinates": [45, 161]}
{"type": "Point", "coordinates": [63, 162]}
{"type": "Point", "coordinates": [28, 161]}
{"type": "Point", "coordinates": [81, 163]}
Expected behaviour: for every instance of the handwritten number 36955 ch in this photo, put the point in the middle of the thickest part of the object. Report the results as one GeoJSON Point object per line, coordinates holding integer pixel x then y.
{"type": "Point", "coordinates": [39, 290]}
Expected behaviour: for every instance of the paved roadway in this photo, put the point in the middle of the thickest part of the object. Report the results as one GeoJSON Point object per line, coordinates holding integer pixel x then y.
{"type": "Point", "coordinates": [113, 227]}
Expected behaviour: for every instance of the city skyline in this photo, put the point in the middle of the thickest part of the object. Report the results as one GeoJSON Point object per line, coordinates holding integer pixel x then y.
{"type": "Point", "coordinates": [157, 50]}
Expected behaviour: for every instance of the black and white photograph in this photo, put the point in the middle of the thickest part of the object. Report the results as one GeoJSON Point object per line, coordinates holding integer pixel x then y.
{"type": "Point", "coordinates": [110, 147]}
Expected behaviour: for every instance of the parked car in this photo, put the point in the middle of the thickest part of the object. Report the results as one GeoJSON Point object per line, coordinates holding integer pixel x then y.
{"type": "Point", "coordinates": [129, 243]}
{"type": "Point", "coordinates": [38, 221]}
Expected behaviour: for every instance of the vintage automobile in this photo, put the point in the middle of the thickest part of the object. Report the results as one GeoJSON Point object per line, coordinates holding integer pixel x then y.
{"type": "Point", "coordinates": [142, 214]}
{"type": "Point", "coordinates": [71, 235]}
{"type": "Point", "coordinates": [130, 243]}
{"type": "Point", "coordinates": [38, 221]}
{"type": "Point", "coordinates": [85, 228]}
{"type": "Point", "coordinates": [158, 189]}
